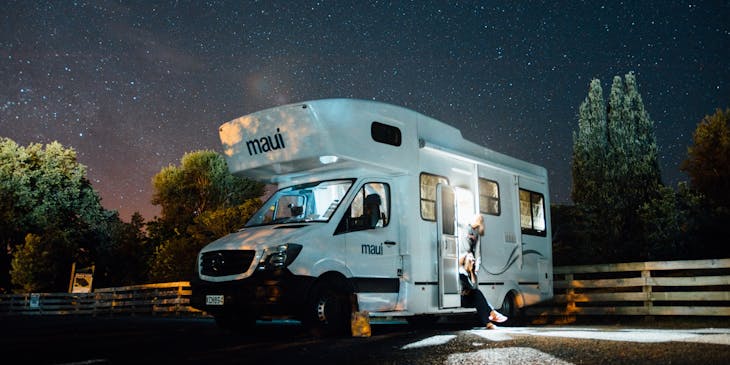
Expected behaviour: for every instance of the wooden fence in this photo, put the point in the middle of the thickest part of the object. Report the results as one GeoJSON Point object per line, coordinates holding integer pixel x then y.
{"type": "Point", "coordinates": [156, 299]}
{"type": "Point", "coordinates": [686, 288]}
{"type": "Point", "coordinates": [694, 288]}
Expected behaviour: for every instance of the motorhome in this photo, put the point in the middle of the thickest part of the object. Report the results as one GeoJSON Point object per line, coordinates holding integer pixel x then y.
{"type": "Point", "coordinates": [372, 202]}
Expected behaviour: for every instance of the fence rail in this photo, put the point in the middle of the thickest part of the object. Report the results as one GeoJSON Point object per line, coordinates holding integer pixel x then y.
{"type": "Point", "coordinates": [156, 299]}
{"type": "Point", "coordinates": [693, 287]}
{"type": "Point", "coordinates": [687, 288]}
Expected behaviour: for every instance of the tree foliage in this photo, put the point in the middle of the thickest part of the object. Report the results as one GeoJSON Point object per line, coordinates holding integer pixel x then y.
{"type": "Point", "coordinates": [590, 148]}
{"type": "Point", "coordinates": [124, 258]}
{"type": "Point", "coordinates": [45, 193]}
{"type": "Point", "coordinates": [670, 224]}
{"type": "Point", "coordinates": [41, 263]}
{"type": "Point", "coordinates": [200, 201]}
{"type": "Point", "coordinates": [51, 218]}
{"type": "Point", "coordinates": [202, 182]}
{"type": "Point", "coordinates": [709, 157]}
{"type": "Point", "coordinates": [615, 167]}
{"type": "Point", "coordinates": [622, 211]}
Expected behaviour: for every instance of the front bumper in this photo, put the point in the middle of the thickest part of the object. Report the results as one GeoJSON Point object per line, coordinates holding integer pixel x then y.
{"type": "Point", "coordinates": [264, 295]}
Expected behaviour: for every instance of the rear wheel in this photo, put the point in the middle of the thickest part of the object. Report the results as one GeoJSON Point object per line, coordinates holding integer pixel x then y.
{"type": "Point", "coordinates": [509, 309]}
{"type": "Point", "coordinates": [328, 311]}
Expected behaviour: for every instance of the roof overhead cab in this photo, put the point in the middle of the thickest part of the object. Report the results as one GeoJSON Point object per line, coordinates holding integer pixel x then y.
{"type": "Point", "coordinates": [281, 143]}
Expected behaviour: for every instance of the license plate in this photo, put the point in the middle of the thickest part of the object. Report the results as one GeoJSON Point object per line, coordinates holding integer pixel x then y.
{"type": "Point", "coordinates": [214, 300]}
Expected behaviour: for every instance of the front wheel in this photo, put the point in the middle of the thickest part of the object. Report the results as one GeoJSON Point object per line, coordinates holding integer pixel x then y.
{"type": "Point", "coordinates": [328, 310]}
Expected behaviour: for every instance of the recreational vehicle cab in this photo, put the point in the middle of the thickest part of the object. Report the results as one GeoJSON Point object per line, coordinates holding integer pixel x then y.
{"type": "Point", "coordinates": [373, 200]}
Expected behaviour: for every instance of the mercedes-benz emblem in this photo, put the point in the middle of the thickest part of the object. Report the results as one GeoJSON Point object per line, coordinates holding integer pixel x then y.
{"type": "Point", "coordinates": [217, 261]}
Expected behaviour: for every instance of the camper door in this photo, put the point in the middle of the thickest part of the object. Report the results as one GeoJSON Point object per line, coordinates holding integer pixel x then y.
{"type": "Point", "coordinates": [371, 237]}
{"type": "Point", "coordinates": [448, 247]}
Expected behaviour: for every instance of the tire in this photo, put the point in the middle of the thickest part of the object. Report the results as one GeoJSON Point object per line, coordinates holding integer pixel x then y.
{"type": "Point", "coordinates": [509, 309]}
{"type": "Point", "coordinates": [328, 310]}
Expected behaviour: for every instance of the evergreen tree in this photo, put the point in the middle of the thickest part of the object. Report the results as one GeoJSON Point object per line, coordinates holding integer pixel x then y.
{"type": "Point", "coordinates": [589, 147]}
{"type": "Point", "coordinates": [643, 153]}
{"type": "Point", "coordinates": [615, 168]}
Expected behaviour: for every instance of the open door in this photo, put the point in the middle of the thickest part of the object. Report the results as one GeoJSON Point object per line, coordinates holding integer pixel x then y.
{"type": "Point", "coordinates": [448, 247]}
{"type": "Point", "coordinates": [465, 213]}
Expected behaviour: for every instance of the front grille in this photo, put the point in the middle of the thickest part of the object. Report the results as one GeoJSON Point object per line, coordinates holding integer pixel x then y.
{"type": "Point", "coordinates": [226, 262]}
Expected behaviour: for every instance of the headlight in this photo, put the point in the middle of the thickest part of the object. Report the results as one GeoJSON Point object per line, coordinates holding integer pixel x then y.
{"type": "Point", "coordinates": [279, 257]}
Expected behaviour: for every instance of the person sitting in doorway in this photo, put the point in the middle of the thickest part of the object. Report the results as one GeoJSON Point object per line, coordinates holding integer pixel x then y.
{"type": "Point", "coordinates": [472, 297]}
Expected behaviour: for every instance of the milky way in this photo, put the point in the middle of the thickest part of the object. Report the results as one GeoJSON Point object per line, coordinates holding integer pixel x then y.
{"type": "Point", "coordinates": [132, 86]}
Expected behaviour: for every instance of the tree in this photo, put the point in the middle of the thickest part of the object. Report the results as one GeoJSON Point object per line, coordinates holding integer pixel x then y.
{"type": "Point", "coordinates": [41, 263]}
{"type": "Point", "coordinates": [633, 164]}
{"type": "Point", "coordinates": [44, 192]}
{"type": "Point", "coordinates": [51, 218]}
{"type": "Point", "coordinates": [124, 259]}
{"type": "Point", "coordinates": [200, 202]}
{"type": "Point", "coordinates": [707, 167]}
{"type": "Point", "coordinates": [615, 167]}
{"type": "Point", "coordinates": [589, 148]}
{"type": "Point", "coordinates": [218, 223]}
{"type": "Point", "coordinates": [590, 189]}
{"type": "Point", "coordinates": [709, 157]}
{"type": "Point", "coordinates": [201, 182]}
{"type": "Point", "coordinates": [672, 226]}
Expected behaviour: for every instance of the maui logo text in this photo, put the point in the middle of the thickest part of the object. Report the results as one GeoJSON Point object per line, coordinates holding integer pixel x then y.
{"type": "Point", "coordinates": [366, 249]}
{"type": "Point", "coordinates": [265, 144]}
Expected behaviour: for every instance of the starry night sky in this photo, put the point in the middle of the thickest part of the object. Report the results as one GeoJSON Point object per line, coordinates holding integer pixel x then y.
{"type": "Point", "coordinates": [134, 85]}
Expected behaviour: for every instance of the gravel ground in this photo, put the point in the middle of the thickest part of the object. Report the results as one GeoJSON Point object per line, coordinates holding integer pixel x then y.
{"type": "Point", "coordinates": [139, 340]}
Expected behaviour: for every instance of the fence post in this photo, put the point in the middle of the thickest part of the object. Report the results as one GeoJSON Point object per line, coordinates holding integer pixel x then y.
{"type": "Point", "coordinates": [179, 298]}
{"type": "Point", "coordinates": [648, 303]}
{"type": "Point", "coordinates": [569, 294]}
{"type": "Point", "coordinates": [570, 307]}
{"type": "Point", "coordinates": [155, 295]}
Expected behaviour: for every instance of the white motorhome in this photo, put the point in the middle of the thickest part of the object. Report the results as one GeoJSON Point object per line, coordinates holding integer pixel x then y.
{"type": "Point", "coordinates": [372, 202]}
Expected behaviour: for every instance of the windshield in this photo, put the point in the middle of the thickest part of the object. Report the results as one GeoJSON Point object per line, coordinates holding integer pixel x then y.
{"type": "Point", "coordinates": [311, 202]}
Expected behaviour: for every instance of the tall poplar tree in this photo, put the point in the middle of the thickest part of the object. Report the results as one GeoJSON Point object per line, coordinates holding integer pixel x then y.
{"type": "Point", "coordinates": [615, 166]}
{"type": "Point", "coordinates": [589, 145]}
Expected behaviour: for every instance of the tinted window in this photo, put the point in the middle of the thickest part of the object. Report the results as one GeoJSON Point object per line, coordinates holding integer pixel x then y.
{"type": "Point", "coordinates": [384, 133]}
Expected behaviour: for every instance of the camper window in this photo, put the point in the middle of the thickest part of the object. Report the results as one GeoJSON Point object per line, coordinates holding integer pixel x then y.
{"type": "Point", "coordinates": [489, 197]}
{"type": "Point", "coordinates": [532, 213]}
{"type": "Point", "coordinates": [369, 209]}
{"type": "Point", "coordinates": [311, 202]}
{"type": "Point", "coordinates": [428, 194]}
{"type": "Point", "coordinates": [384, 133]}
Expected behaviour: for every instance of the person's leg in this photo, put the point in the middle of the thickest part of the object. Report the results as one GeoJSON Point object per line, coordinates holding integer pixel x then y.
{"type": "Point", "coordinates": [471, 300]}
{"type": "Point", "coordinates": [487, 312]}
{"type": "Point", "coordinates": [484, 309]}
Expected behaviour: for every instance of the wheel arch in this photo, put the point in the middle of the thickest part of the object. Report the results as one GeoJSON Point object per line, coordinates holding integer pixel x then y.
{"type": "Point", "coordinates": [329, 304]}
